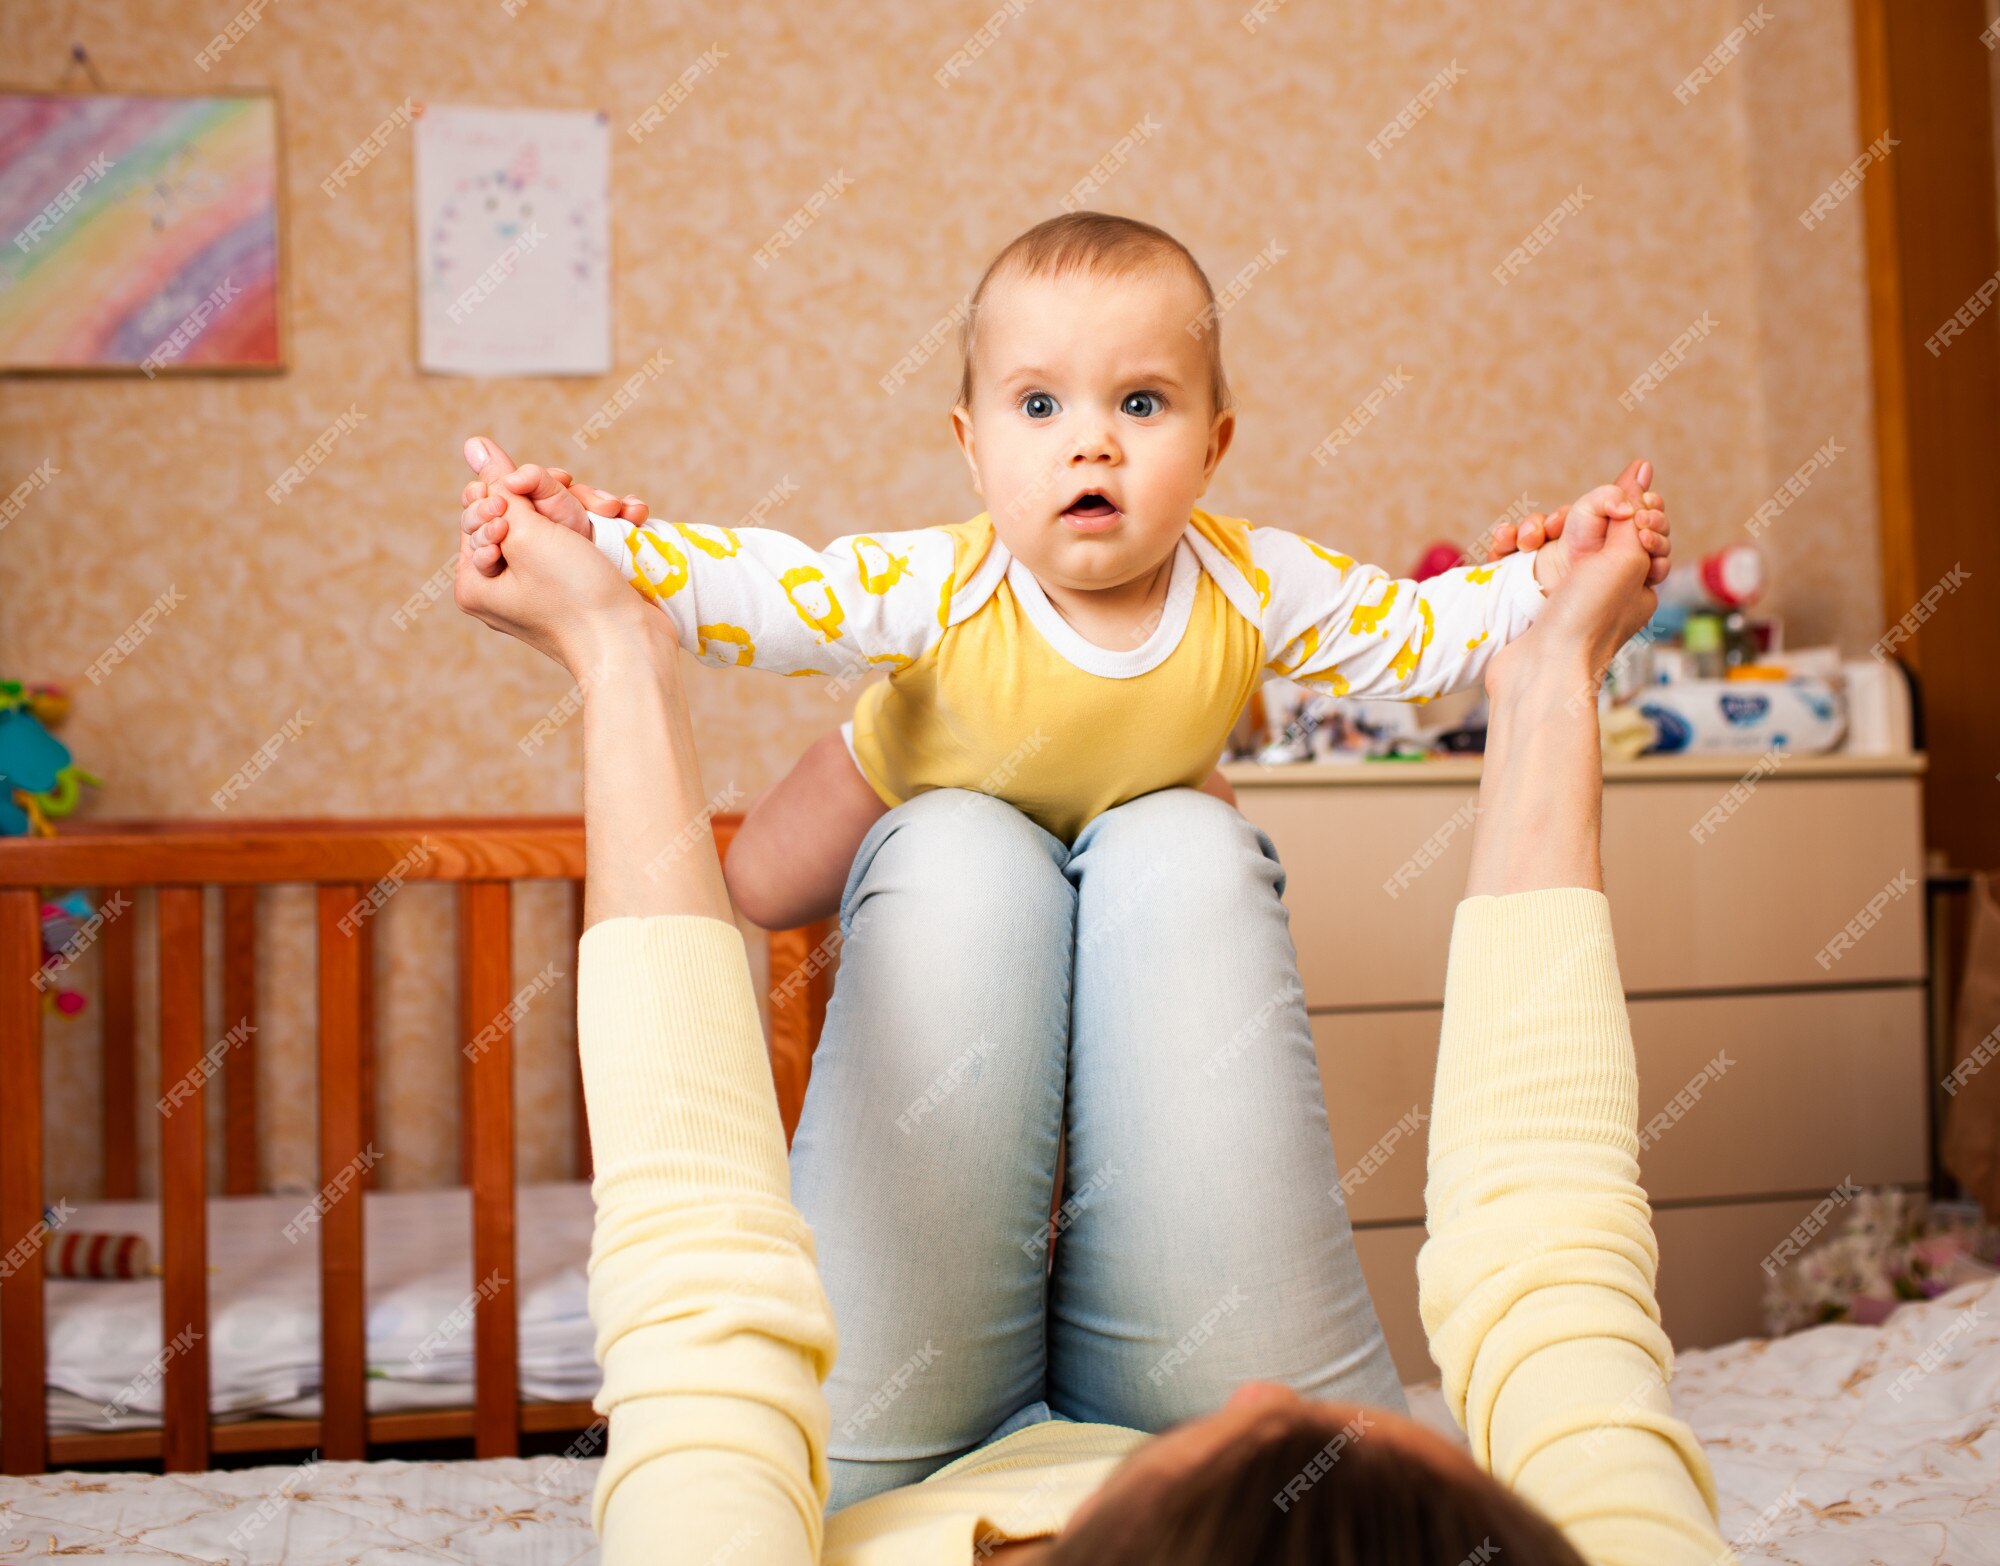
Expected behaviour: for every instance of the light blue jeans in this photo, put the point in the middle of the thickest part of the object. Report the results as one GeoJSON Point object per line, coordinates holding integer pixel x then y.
{"type": "Point", "coordinates": [1139, 992]}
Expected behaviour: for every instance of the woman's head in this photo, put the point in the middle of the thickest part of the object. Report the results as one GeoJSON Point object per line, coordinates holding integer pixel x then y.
{"type": "Point", "coordinates": [1092, 407]}
{"type": "Point", "coordinates": [1272, 1479]}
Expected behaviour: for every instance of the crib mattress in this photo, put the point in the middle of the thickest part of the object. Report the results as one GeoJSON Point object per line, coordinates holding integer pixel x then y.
{"type": "Point", "coordinates": [264, 1338]}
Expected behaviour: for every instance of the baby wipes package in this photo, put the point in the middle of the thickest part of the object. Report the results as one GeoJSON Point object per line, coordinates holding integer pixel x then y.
{"type": "Point", "coordinates": [1705, 717]}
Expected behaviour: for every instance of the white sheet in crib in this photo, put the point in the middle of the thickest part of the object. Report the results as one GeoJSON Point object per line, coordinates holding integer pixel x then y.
{"type": "Point", "coordinates": [263, 1337]}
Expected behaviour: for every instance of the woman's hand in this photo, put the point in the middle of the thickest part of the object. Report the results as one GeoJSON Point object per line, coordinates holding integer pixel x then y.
{"type": "Point", "coordinates": [552, 491]}
{"type": "Point", "coordinates": [559, 595]}
{"type": "Point", "coordinates": [1537, 529]}
{"type": "Point", "coordinates": [642, 793]}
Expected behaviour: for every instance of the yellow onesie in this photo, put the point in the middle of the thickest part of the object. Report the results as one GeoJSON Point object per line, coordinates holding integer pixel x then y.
{"type": "Point", "coordinates": [989, 688]}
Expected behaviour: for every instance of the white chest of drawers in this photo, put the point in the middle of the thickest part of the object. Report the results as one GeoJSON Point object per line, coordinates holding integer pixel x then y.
{"type": "Point", "coordinates": [1723, 946]}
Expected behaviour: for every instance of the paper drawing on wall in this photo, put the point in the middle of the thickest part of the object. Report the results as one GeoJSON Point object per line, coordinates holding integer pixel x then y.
{"type": "Point", "coordinates": [513, 241]}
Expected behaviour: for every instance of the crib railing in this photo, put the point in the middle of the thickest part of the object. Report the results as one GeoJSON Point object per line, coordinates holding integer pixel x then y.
{"type": "Point", "coordinates": [343, 860]}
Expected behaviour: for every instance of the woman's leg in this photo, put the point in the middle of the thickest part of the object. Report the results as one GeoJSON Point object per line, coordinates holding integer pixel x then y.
{"type": "Point", "coordinates": [1205, 1245]}
{"type": "Point", "coordinates": [926, 1151]}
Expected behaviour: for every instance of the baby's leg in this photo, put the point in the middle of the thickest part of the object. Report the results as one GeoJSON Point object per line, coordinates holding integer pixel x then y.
{"type": "Point", "coordinates": [789, 861]}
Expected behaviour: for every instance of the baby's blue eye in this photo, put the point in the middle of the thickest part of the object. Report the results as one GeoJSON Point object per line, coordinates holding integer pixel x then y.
{"type": "Point", "coordinates": [1039, 405]}
{"type": "Point", "coordinates": [1142, 405]}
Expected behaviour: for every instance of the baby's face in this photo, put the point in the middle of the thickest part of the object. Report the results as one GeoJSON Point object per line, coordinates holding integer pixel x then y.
{"type": "Point", "coordinates": [1091, 435]}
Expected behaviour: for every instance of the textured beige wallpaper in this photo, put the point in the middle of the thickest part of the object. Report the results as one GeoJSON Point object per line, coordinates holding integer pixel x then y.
{"type": "Point", "coordinates": [1679, 213]}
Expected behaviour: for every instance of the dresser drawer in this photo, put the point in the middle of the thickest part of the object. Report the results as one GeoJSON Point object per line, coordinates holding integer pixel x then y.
{"type": "Point", "coordinates": [1810, 1089]}
{"type": "Point", "coordinates": [1753, 905]}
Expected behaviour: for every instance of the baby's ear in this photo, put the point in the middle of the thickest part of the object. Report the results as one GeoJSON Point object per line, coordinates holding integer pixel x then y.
{"type": "Point", "coordinates": [962, 432]}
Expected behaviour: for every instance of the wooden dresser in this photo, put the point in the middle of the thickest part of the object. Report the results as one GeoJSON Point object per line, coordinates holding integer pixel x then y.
{"type": "Point", "coordinates": [1720, 944]}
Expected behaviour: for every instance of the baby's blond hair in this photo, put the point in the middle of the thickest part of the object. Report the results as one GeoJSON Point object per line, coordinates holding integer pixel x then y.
{"type": "Point", "coordinates": [1110, 246]}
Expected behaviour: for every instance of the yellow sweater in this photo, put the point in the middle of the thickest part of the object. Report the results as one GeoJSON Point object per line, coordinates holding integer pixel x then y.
{"type": "Point", "coordinates": [714, 1332]}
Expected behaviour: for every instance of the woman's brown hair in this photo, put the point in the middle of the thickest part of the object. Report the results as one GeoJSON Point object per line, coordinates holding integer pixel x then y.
{"type": "Point", "coordinates": [1379, 1504]}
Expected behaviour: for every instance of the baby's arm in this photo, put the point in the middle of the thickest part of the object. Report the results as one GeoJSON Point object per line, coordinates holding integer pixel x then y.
{"type": "Point", "coordinates": [1357, 631]}
{"type": "Point", "coordinates": [788, 862]}
{"type": "Point", "coordinates": [750, 597]}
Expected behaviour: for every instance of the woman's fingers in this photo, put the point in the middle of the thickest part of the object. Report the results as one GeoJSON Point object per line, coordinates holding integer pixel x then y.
{"type": "Point", "coordinates": [484, 456]}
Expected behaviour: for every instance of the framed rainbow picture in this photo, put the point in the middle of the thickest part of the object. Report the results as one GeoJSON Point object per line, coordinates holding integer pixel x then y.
{"type": "Point", "coordinates": [139, 233]}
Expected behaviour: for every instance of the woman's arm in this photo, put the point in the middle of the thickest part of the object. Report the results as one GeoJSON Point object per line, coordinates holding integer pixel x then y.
{"type": "Point", "coordinates": [648, 847]}
{"type": "Point", "coordinates": [712, 1327]}
{"type": "Point", "coordinates": [1538, 1278]}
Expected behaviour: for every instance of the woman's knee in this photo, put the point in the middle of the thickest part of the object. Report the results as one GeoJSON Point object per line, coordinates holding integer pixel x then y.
{"type": "Point", "coordinates": [960, 862]}
{"type": "Point", "coordinates": [1180, 850]}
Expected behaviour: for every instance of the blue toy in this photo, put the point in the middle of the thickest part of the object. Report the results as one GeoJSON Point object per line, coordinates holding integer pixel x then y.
{"type": "Point", "coordinates": [38, 781]}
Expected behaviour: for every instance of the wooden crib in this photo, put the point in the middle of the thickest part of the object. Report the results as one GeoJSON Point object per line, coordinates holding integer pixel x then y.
{"type": "Point", "coordinates": [177, 862]}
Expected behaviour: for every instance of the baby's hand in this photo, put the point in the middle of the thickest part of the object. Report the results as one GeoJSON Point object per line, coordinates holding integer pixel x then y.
{"type": "Point", "coordinates": [1580, 529]}
{"type": "Point", "coordinates": [551, 491]}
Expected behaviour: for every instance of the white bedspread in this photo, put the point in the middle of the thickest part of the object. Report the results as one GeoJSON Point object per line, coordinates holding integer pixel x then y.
{"type": "Point", "coordinates": [511, 1512]}
{"type": "Point", "coordinates": [1843, 1446]}
{"type": "Point", "coordinates": [1852, 1446]}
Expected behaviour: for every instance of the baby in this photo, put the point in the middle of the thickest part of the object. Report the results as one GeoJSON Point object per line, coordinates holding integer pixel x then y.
{"type": "Point", "coordinates": [1092, 635]}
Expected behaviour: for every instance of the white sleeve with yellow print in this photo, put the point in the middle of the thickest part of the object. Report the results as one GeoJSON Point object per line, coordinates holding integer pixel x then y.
{"type": "Point", "coordinates": [748, 597]}
{"type": "Point", "coordinates": [1354, 630]}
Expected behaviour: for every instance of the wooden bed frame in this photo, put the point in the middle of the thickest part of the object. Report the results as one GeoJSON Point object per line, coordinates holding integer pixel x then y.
{"type": "Point", "coordinates": [177, 861]}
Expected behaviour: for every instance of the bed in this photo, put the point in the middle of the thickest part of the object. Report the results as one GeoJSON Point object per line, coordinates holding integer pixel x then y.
{"type": "Point", "coordinates": [1839, 1446]}
{"type": "Point", "coordinates": [1835, 1447]}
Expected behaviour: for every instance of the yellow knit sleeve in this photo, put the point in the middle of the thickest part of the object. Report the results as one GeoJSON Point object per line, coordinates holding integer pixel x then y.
{"type": "Point", "coordinates": [712, 1327]}
{"type": "Point", "coordinates": [1537, 1279]}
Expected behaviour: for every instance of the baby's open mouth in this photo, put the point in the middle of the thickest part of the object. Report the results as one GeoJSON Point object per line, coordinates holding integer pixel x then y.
{"type": "Point", "coordinates": [1091, 505]}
